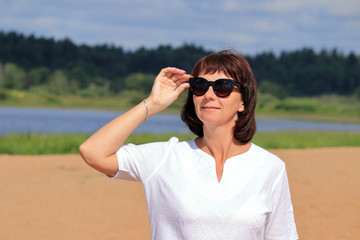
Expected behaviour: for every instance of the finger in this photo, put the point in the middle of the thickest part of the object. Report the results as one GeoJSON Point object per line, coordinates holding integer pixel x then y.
{"type": "Point", "coordinates": [181, 88]}
{"type": "Point", "coordinates": [183, 75]}
{"type": "Point", "coordinates": [171, 71]}
{"type": "Point", "coordinates": [178, 79]}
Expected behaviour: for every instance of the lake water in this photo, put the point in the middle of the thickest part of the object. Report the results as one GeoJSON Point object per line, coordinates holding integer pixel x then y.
{"type": "Point", "coordinates": [37, 120]}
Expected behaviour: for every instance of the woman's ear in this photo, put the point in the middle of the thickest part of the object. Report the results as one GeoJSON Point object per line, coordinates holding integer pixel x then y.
{"type": "Point", "coordinates": [241, 108]}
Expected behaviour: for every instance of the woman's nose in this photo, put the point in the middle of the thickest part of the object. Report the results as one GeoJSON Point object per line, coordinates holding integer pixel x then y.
{"type": "Point", "coordinates": [210, 94]}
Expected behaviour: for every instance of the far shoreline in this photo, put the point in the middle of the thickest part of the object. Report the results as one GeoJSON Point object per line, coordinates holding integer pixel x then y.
{"type": "Point", "coordinates": [174, 111]}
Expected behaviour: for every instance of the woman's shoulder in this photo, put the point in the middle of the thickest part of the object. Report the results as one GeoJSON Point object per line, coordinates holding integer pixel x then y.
{"type": "Point", "coordinates": [172, 143]}
{"type": "Point", "coordinates": [266, 157]}
{"type": "Point", "coordinates": [182, 145]}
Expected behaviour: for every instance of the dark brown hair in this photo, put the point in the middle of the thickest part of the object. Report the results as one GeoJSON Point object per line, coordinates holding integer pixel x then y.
{"type": "Point", "coordinates": [235, 66]}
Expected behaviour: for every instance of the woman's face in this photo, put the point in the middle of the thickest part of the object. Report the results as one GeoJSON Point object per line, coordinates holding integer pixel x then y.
{"type": "Point", "coordinates": [215, 110]}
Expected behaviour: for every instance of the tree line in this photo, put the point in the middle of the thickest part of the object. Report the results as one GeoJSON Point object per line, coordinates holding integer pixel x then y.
{"type": "Point", "coordinates": [62, 67]}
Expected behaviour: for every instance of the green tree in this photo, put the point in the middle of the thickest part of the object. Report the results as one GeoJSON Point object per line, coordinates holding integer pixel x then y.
{"type": "Point", "coordinates": [82, 72]}
{"type": "Point", "coordinates": [274, 89]}
{"type": "Point", "coordinates": [58, 83]}
{"type": "Point", "coordinates": [140, 82]}
{"type": "Point", "coordinates": [36, 76]}
{"type": "Point", "coordinates": [1, 75]}
{"type": "Point", "coordinates": [302, 72]}
{"type": "Point", "coordinates": [13, 76]}
{"type": "Point", "coordinates": [356, 93]}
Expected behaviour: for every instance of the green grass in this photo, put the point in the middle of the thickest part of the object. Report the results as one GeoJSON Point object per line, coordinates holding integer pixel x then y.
{"type": "Point", "coordinates": [307, 139]}
{"type": "Point", "coordinates": [16, 98]}
{"type": "Point", "coordinates": [30, 144]}
{"type": "Point", "coordinates": [330, 108]}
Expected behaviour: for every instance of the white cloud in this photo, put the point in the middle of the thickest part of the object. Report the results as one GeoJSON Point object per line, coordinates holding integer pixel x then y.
{"type": "Point", "coordinates": [333, 7]}
{"type": "Point", "coordinates": [344, 8]}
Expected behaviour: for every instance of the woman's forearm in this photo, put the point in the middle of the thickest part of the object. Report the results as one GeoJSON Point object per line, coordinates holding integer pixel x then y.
{"type": "Point", "coordinates": [99, 150]}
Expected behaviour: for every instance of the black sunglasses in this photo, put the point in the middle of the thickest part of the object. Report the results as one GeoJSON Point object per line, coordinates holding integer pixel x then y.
{"type": "Point", "coordinates": [222, 87]}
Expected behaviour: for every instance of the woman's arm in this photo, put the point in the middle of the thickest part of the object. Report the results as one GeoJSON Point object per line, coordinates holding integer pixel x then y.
{"type": "Point", "coordinates": [99, 150]}
{"type": "Point", "coordinates": [280, 224]}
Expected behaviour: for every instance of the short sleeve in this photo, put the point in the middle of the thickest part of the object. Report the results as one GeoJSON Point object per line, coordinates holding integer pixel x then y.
{"type": "Point", "coordinates": [139, 162]}
{"type": "Point", "coordinates": [281, 223]}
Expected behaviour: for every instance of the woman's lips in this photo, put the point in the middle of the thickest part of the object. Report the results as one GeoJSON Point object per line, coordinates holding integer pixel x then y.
{"type": "Point", "coordinates": [209, 108]}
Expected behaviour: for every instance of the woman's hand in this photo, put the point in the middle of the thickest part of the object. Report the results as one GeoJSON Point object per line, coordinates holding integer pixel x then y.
{"type": "Point", "coordinates": [168, 85]}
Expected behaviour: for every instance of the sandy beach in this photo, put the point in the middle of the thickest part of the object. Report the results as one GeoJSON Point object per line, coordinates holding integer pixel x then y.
{"type": "Point", "coordinates": [60, 197]}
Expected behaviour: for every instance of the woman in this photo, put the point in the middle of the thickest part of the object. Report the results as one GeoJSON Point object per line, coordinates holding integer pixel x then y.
{"type": "Point", "coordinates": [217, 186]}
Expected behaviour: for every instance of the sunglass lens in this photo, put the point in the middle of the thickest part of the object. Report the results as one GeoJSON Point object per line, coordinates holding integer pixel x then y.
{"type": "Point", "coordinates": [200, 86]}
{"type": "Point", "coordinates": [223, 87]}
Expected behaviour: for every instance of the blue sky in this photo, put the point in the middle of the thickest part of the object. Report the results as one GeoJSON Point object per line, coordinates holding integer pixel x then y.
{"type": "Point", "coordinates": [251, 26]}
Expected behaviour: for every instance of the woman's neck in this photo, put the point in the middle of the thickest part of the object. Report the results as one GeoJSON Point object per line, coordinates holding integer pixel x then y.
{"type": "Point", "coordinates": [221, 144]}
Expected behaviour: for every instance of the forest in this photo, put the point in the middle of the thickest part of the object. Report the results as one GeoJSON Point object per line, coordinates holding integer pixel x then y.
{"type": "Point", "coordinates": [62, 67]}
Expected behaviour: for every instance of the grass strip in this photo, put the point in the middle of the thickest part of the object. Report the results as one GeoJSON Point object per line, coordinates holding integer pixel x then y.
{"type": "Point", "coordinates": [306, 139]}
{"type": "Point", "coordinates": [33, 144]}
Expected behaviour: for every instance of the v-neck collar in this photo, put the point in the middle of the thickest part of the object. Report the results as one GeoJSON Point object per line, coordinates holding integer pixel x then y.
{"type": "Point", "coordinates": [204, 155]}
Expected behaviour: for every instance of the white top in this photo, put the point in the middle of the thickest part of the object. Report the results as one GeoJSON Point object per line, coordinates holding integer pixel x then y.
{"type": "Point", "coordinates": [186, 201]}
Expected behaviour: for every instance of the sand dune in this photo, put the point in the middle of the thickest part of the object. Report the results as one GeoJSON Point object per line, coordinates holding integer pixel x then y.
{"type": "Point", "coordinates": [60, 197]}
